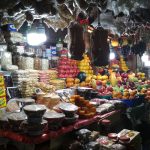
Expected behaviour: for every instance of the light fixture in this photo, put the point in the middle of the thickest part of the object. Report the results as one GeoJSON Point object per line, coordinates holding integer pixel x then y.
{"type": "Point", "coordinates": [114, 43]}
{"type": "Point", "coordinates": [145, 60]}
{"type": "Point", "coordinates": [90, 29]}
{"type": "Point", "coordinates": [111, 56]}
{"type": "Point", "coordinates": [36, 35]}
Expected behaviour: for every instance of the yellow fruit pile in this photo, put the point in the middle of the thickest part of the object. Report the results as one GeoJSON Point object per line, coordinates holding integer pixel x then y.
{"type": "Point", "coordinates": [71, 82]}
{"type": "Point", "coordinates": [141, 75]}
{"type": "Point", "coordinates": [84, 65]}
{"type": "Point", "coordinates": [123, 64]}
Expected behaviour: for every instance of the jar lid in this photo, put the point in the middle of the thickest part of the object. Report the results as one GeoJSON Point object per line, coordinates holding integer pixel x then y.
{"type": "Point", "coordinates": [112, 135]}
{"type": "Point", "coordinates": [106, 122]}
{"type": "Point", "coordinates": [124, 138]}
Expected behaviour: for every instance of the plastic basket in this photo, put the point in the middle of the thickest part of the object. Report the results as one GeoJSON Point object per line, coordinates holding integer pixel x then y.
{"type": "Point", "coordinates": [132, 102]}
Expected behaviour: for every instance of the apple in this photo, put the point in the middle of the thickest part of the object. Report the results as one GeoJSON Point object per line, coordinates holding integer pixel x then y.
{"type": "Point", "coordinates": [119, 82]}
{"type": "Point", "coordinates": [99, 83]}
{"type": "Point", "coordinates": [124, 75]}
{"type": "Point", "coordinates": [132, 84]}
{"type": "Point", "coordinates": [109, 88]}
{"type": "Point", "coordinates": [61, 76]}
{"type": "Point", "coordinates": [117, 74]}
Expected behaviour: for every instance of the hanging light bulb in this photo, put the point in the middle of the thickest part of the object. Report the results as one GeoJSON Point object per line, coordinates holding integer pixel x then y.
{"type": "Point", "coordinates": [36, 35]}
{"type": "Point", "coordinates": [145, 60]}
{"type": "Point", "coordinates": [112, 55]}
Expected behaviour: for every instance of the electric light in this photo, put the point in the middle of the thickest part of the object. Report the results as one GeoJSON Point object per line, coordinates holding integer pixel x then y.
{"type": "Point", "coordinates": [112, 55]}
{"type": "Point", "coordinates": [36, 35]}
{"type": "Point", "coordinates": [145, 60]}
{"type": "Point", "coordinates": [36, 39]}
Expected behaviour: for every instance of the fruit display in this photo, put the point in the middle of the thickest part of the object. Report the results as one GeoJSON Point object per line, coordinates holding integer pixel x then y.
{"type": "Point", "coordinates": [126, 94]}
{"type": "Point", "coordinates": [70, 82]}
{"type": "Point", "coordinates": [86, 110]}
{"type": "Point", "coordinates": [123, 64]}
{"type": "Point", "coordinates": [141, 75]}
{"type": "Point", "coordinates": [67, 68]}
{"type": "Point", "coordinates": [132, 77]}
{"type": "Point", "coordinates": [85, 65]}
{"type": "Point", "coordinates": [105, 92]}
{"type": "Point", "coordinates": [113, 79]}
{"type": "Point", "coordinates": [95, 81]}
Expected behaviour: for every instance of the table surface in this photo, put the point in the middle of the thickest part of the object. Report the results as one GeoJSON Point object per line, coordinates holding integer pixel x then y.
{"type": "Point", "coordinates": [52, 134]}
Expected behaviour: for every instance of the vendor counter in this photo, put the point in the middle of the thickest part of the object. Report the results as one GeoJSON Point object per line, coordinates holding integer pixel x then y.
{"type": "Point", "coordinates": [24, 142]}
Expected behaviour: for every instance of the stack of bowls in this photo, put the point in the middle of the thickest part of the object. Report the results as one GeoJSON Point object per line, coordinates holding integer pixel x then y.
{"type": "Point", "coordinates": [70, 111]}
{"type": "Point", "coordinates": [15, 120]}
{"type": "Point", "coordinates": [54, 120]}
{"type": "Point", "coordinates": [34, 125]}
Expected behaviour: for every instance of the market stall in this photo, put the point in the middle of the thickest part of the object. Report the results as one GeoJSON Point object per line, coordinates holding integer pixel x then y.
{"type": "Point", "coordinates": [96, 76]}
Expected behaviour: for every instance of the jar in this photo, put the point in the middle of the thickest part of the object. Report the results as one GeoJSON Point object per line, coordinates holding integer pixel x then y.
{"type": "Point", "coordinates": [37, 63]}
{"type": "Point", "coordinates": [54, 62]}
{"type": "Point", "coordinates": [27, 61]}
{"type": "Point", "coordinates": [20, 61]}
{"type": "Point", "coordinates": [6, 59]}
{"type": "Point", "coordinates": [124, 140]}
{"type": "Point", "coordinates": [44, 63]}
{"type": "Point", "coordinates": [113, 137]}
{"type": "Point", "coordinates": [23, 66]}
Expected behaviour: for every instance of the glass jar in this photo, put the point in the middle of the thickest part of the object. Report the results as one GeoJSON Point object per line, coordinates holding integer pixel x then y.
{"type": "Point", "coordinates": [37, 63]}
{"type": "Point", "coordinates": [6, 59]}
{"type": "Point", "coordinates": [44, 63]}
{"type": "Point", "coordinates": [27, 62]}
{"type": "Point", "coordinates": [23, 63]}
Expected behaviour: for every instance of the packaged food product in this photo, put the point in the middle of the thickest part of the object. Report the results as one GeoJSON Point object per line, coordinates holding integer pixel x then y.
{"type": "Point", "coordinates": [2, 91]}
{"type": "Point", "coordinates": [37, 63]}
{"type": "Point", "coordinates": [58, 83]}
{"type": "Point", "coordinates": [53, 74]}
{"type": "Point", "coordinates": [3, 102]}
{"type": "Point", "coordinates": [1, 79]}
{"type": "Point", "coordinates": [44, 63]}
{"type": "Point", "coordinates": [27, 61]}
{"type": "Point", "coordinates": [6, 59]}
